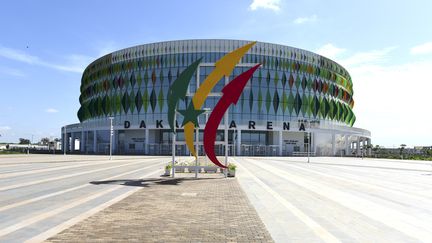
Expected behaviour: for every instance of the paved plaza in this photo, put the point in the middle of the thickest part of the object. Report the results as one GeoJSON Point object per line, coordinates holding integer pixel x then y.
{"type": "Point", "coordinates": [210, 209]}
{"type": "Point", "coordinates": [41, 195]}
{"type": "Point", "coordinates": [340, 199]}
{"type": "Point", "coordinates": [90, 198]}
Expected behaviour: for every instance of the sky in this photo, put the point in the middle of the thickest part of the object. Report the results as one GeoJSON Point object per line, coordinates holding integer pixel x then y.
{"type": "Point", "coordinates": [386, 46]}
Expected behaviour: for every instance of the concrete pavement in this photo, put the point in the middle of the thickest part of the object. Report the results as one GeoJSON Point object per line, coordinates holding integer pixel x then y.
{"type": "Point", "coordinates": [210, 209]}
{"type": "Point", "coordinates": [340, 199]}
{"type": "Point", "coordinates": [327, 200]}
{"type": "Point", "coordinates": [38, 193]}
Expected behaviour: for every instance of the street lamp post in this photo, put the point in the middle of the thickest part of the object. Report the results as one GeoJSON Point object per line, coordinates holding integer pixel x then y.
{"type": "Point", "coordinates": [64, 141]}
{"type": "Point", "coordinates": [111, 135]}
{"type": "Point", "coordinates": [206, 112]}
{"type": "Point", "coordinates": [29, 144]}
{"type": "Point", "coordinates": [308, 145]}
{"type": "Point", "coordinates": [234, 141]}
{"type": "Point", "coordinates": [226, 135]}
{"type": "Point", "coordinates": [173, 148]}
{"type": "Point", "coordinates": [196, 149]}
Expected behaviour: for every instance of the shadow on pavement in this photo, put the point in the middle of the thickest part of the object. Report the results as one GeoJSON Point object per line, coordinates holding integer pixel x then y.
{"type": "Point", "coordinates": [148, 182]}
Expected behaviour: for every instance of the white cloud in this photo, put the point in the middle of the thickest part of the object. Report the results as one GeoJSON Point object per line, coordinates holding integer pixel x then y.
{"type": "Point", "coordinates": [106, 47]}
{"type": "Point", "coordinates": [5, 128]}
{"type": "Point", "coordinates": [393, 102]}
{"type": "Point", "coordinates": [51, 110]}
{"type": "Point", "coordinates": [265, 4]}
{"type": "Point", "coordinates": [368, 57]}
{"type": "Point", "coordinates": [11, 72]}
{"type": "Point", "coordinates": [302, 20]}
{"type": "Point", "coordinates": [425, 48]}
{"type": "Point", "coordinates": [330, 51]}
{"type": "Point", "coordinates": [18, 55]}
{"type": "Point", "coordinates": [74, 63]}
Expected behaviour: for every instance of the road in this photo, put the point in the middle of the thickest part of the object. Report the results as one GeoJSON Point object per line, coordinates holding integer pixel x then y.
{"type": "Point", "coordinates": [40, 195]}
{"type": "Point", "coordinates": [340, 199]}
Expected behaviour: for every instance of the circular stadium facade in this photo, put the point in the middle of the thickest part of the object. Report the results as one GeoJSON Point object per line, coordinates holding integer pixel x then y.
{"type": "Point", "coordinates": [296, 101]}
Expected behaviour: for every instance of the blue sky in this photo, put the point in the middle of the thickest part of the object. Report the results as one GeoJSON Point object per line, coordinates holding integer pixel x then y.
{"type": "Point", "coordinates": [385, 45]}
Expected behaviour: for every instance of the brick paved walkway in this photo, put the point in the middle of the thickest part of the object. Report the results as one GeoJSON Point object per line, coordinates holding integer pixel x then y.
{"type": "Point", "coordinates": [210, 209]}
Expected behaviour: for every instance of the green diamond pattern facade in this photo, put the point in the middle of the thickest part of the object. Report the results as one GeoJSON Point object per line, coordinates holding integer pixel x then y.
{"type": "Point", "coordinates": [292, 86]}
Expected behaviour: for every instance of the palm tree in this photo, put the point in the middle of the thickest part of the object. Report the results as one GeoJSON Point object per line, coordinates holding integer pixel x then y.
{"type": "Point", "coordinates": [44, 141]}
{"type": "Point", "coordinates": [402, 147]}
{"type": "Point", "coordinates": [376, 149]}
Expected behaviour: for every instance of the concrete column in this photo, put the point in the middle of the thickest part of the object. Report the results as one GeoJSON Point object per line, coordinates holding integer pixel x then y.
{"type": "Point", "coordinates": [146, 145]}
{"type": "Point", "coordinates": [87, 141]}
{"type": "Point", "coordinates": [333, 144]}
{"type": "Point", "coordinates": [238, 141]}
{"type": "Point", "coordinates": [369, 151]}
{"type": "Point", "coordinates": [358, 146]}
{"type": "Point", "coordinates": [347, 146]}
{"type": "Point", "coordinates": [313, 147]}
{"type": "Point", "coordinates": [82, 142]}
{"type": "Point", "coordinates": [65, 141]}
{"type": "Point", "coordinates": [72, 145]}
{"type": "Point", "coordinates": [94, 141]}
{"type": "Point", "coordinates": [280, 143]}
{"type": "Point", "coordinates": [114, 143]}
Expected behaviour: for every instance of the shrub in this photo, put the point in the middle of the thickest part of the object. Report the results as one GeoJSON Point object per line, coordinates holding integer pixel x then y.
{"type": "Point", "coordinates": [232, 166]}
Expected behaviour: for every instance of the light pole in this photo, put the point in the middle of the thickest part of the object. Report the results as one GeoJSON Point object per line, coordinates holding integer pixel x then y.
{"type": "Point", "coordinates": [111, 135]}
{"type": "Point", "coordinates": [197, 148]}
{"type": "Point", "coordinates": [29, 144]}
{"type": "Point", "coordinates": [234, 141]}
{"type": "Point", "coordinates": [173, 148]}
{"type": "Point", "coordinates": [64, 141]}
{"type": "Point", "coordinates": [308, 145]}
{"type": "Point", "coordinates": [226, 134]}
{"type": "Point", "coordinates": [206, 112]}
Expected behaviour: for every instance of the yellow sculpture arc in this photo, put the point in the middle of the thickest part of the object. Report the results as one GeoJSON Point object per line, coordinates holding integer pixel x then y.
{"type": "Point", "coordinates": [223, 67]}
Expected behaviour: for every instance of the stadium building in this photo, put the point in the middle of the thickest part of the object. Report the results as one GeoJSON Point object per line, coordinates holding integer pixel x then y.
{"type": "Point", "coordinates": [297, 101]}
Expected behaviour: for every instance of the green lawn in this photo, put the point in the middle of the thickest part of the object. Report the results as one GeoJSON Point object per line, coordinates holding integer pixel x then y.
{"type": "Point", "coordinates": [10, 152]}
